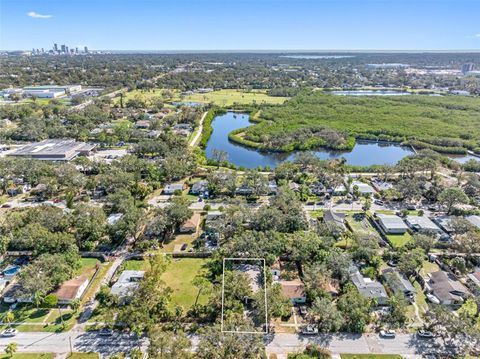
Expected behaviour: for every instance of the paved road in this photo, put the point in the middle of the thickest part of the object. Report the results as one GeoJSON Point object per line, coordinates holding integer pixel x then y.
{"type": "Point", "coordinates": [79, 342]}
{"type": "Point", "coordinates": [352, 343]}
{"type": "Point", "coordinates": [406, 344]}
{"type": "Point", "coordinates": [200, 130]}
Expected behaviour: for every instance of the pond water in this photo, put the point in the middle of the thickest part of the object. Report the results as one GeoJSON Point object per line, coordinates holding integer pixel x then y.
{"type": "Point", "coordinates": [363, 154]}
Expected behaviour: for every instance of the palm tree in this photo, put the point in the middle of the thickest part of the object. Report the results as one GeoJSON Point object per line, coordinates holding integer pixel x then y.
{"type": "Point", "coordinates": [11, 349]}
{"type": "Point", "coordinates": [8, 317]}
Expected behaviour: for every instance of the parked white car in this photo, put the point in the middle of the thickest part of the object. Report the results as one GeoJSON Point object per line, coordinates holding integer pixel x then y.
{"type": "Point", "coordinates": [432, 299]}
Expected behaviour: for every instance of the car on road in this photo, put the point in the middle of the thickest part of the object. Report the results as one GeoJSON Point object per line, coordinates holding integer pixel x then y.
{"type": "Point", "coordinates": [379, 202]}
{"type": "Point", "coordinates": [309, 330]}
{"type": "Point", "coordinates": [105, 332]}
{"type": "Point", "coordinates": [387, 334]}
{"type": "Point", "coordinates": [6, 205]}
{"type": "Point", "coordinates": [432, 299]}
{"type": "Point", "coordinates": [425, 334]}
{"type": "Point", "coordinates": [184, 246]}
{"type": "Point", "coordinates": [9, 333]}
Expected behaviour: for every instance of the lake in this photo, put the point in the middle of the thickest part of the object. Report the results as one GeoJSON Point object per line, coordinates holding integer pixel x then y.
{"type": "Point", "coordinates": [363, 154]}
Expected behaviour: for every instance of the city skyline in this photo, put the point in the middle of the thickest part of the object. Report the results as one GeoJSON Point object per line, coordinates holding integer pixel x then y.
{"type": "Point", "coordinates": [241, 25]}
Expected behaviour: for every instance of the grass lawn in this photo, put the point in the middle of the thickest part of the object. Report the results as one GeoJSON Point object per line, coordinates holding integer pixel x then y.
{"type": "Point", "coordinates": [179, 276]}
{"type": "Point", "coordinates": [28, 356]}
{"type": "Point", "coordinates": [399, 240]}
{"type": "Point", "coordinates": [96, 282]}
{"type": "Point", "coordinates": [26, 313]}
{"type": "Point", "coordinates": [84, 356]}
{"type": "Point", "coordinates": [227, 98]}
{"type": "Point", "coordinates": [360, 224]}
{"type": "Point", "coordinates": [179, 240]}
{"type": "Point", "coordinates": [428, 267]}
{"type": "Point", "coordinates": [370, 356]}
{"type": "Point", "coordinates": [88, 266]}
{"type": "Point", "coordinates": [134, 264]}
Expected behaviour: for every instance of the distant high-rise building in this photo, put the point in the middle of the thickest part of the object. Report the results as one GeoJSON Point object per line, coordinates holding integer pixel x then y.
{"type": "Point", "coordinates": [43, 50]}
{"type": "Point", "coordinates": [76, 50]}
{"type": "Point", "coordinates": [55, 47]}
{"type": "Point", "coordinates": [85, 49]}
{"type": "Point", "coordinates": [66, 49]}
{"type": "Point", "coordinates": [469, 66]}
{"type": "Point", "coordinates": [63, 48]}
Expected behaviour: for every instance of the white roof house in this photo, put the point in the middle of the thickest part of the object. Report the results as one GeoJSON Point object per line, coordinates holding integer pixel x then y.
{"type": "Point", "coordinates": [391, 224]}
{"type": "Point", "coordinates": [127, 283]}
{"type": "Point", "coordinates": [422, 224]}
{"type": "Point", "coordinates": [474, 219]}
{"type": "Point", "coordinates": [171, 188]}
{"type": "Point", "coordinates": [363, 188]}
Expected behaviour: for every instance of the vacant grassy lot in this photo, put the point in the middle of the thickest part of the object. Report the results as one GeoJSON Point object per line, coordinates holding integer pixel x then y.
{"type": "Point", "coordinates": [178, 276]}
{"type": "Point", "coordinates": [227, 98]}
{"type": "Point", "coordinates": [450, 121]}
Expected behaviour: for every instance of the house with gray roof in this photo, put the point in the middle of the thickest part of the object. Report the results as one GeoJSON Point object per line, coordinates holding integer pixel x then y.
{"type": "Point", "coordinates": [391, 224]}
{"type": "Point", "coordinates": [334, 221]}
{"type": "Point", "coordinates": [447, 288]}
{"type": "Point", "coordinates": [398, 283]}
{"type": "Point", "coordinates": [422, 224]}
{"type": "Point", "coordinates": [369, 288]}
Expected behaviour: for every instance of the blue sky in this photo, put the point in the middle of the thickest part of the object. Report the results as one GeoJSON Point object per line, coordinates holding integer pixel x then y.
{"type": "Point", "coordinates": [241, 24]}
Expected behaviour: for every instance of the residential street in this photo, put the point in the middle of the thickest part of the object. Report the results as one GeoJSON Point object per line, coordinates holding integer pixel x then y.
{"type": "Point", "coordinates": [280, 343]}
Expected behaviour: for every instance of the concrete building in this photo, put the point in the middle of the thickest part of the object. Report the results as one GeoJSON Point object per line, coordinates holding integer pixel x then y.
{"type": "Point", "coordinates": [391, 224]}
{"type": "Point", "coordinates": [54, 150]}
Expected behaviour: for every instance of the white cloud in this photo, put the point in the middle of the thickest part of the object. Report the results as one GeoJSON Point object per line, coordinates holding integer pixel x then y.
{"type": "Point", "coordinates": [36, 15]}
{"type": "Point", "coordinates": [477, 35]}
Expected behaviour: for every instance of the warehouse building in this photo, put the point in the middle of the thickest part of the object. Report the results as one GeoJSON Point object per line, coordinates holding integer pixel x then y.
{"type": "Point", "coordinates": [54, 150]}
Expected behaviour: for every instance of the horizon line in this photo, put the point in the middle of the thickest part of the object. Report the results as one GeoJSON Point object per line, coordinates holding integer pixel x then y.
{"type": "Point", "coordinates": [271, 50]}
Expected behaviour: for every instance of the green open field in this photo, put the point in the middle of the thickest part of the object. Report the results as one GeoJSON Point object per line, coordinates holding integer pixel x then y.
{"type": "Point", "coordinates": [449, 121]}
{"type": "Point", "coordinates": [224, 98]}
{"type": "Point", "coordinates": [227, 98]}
